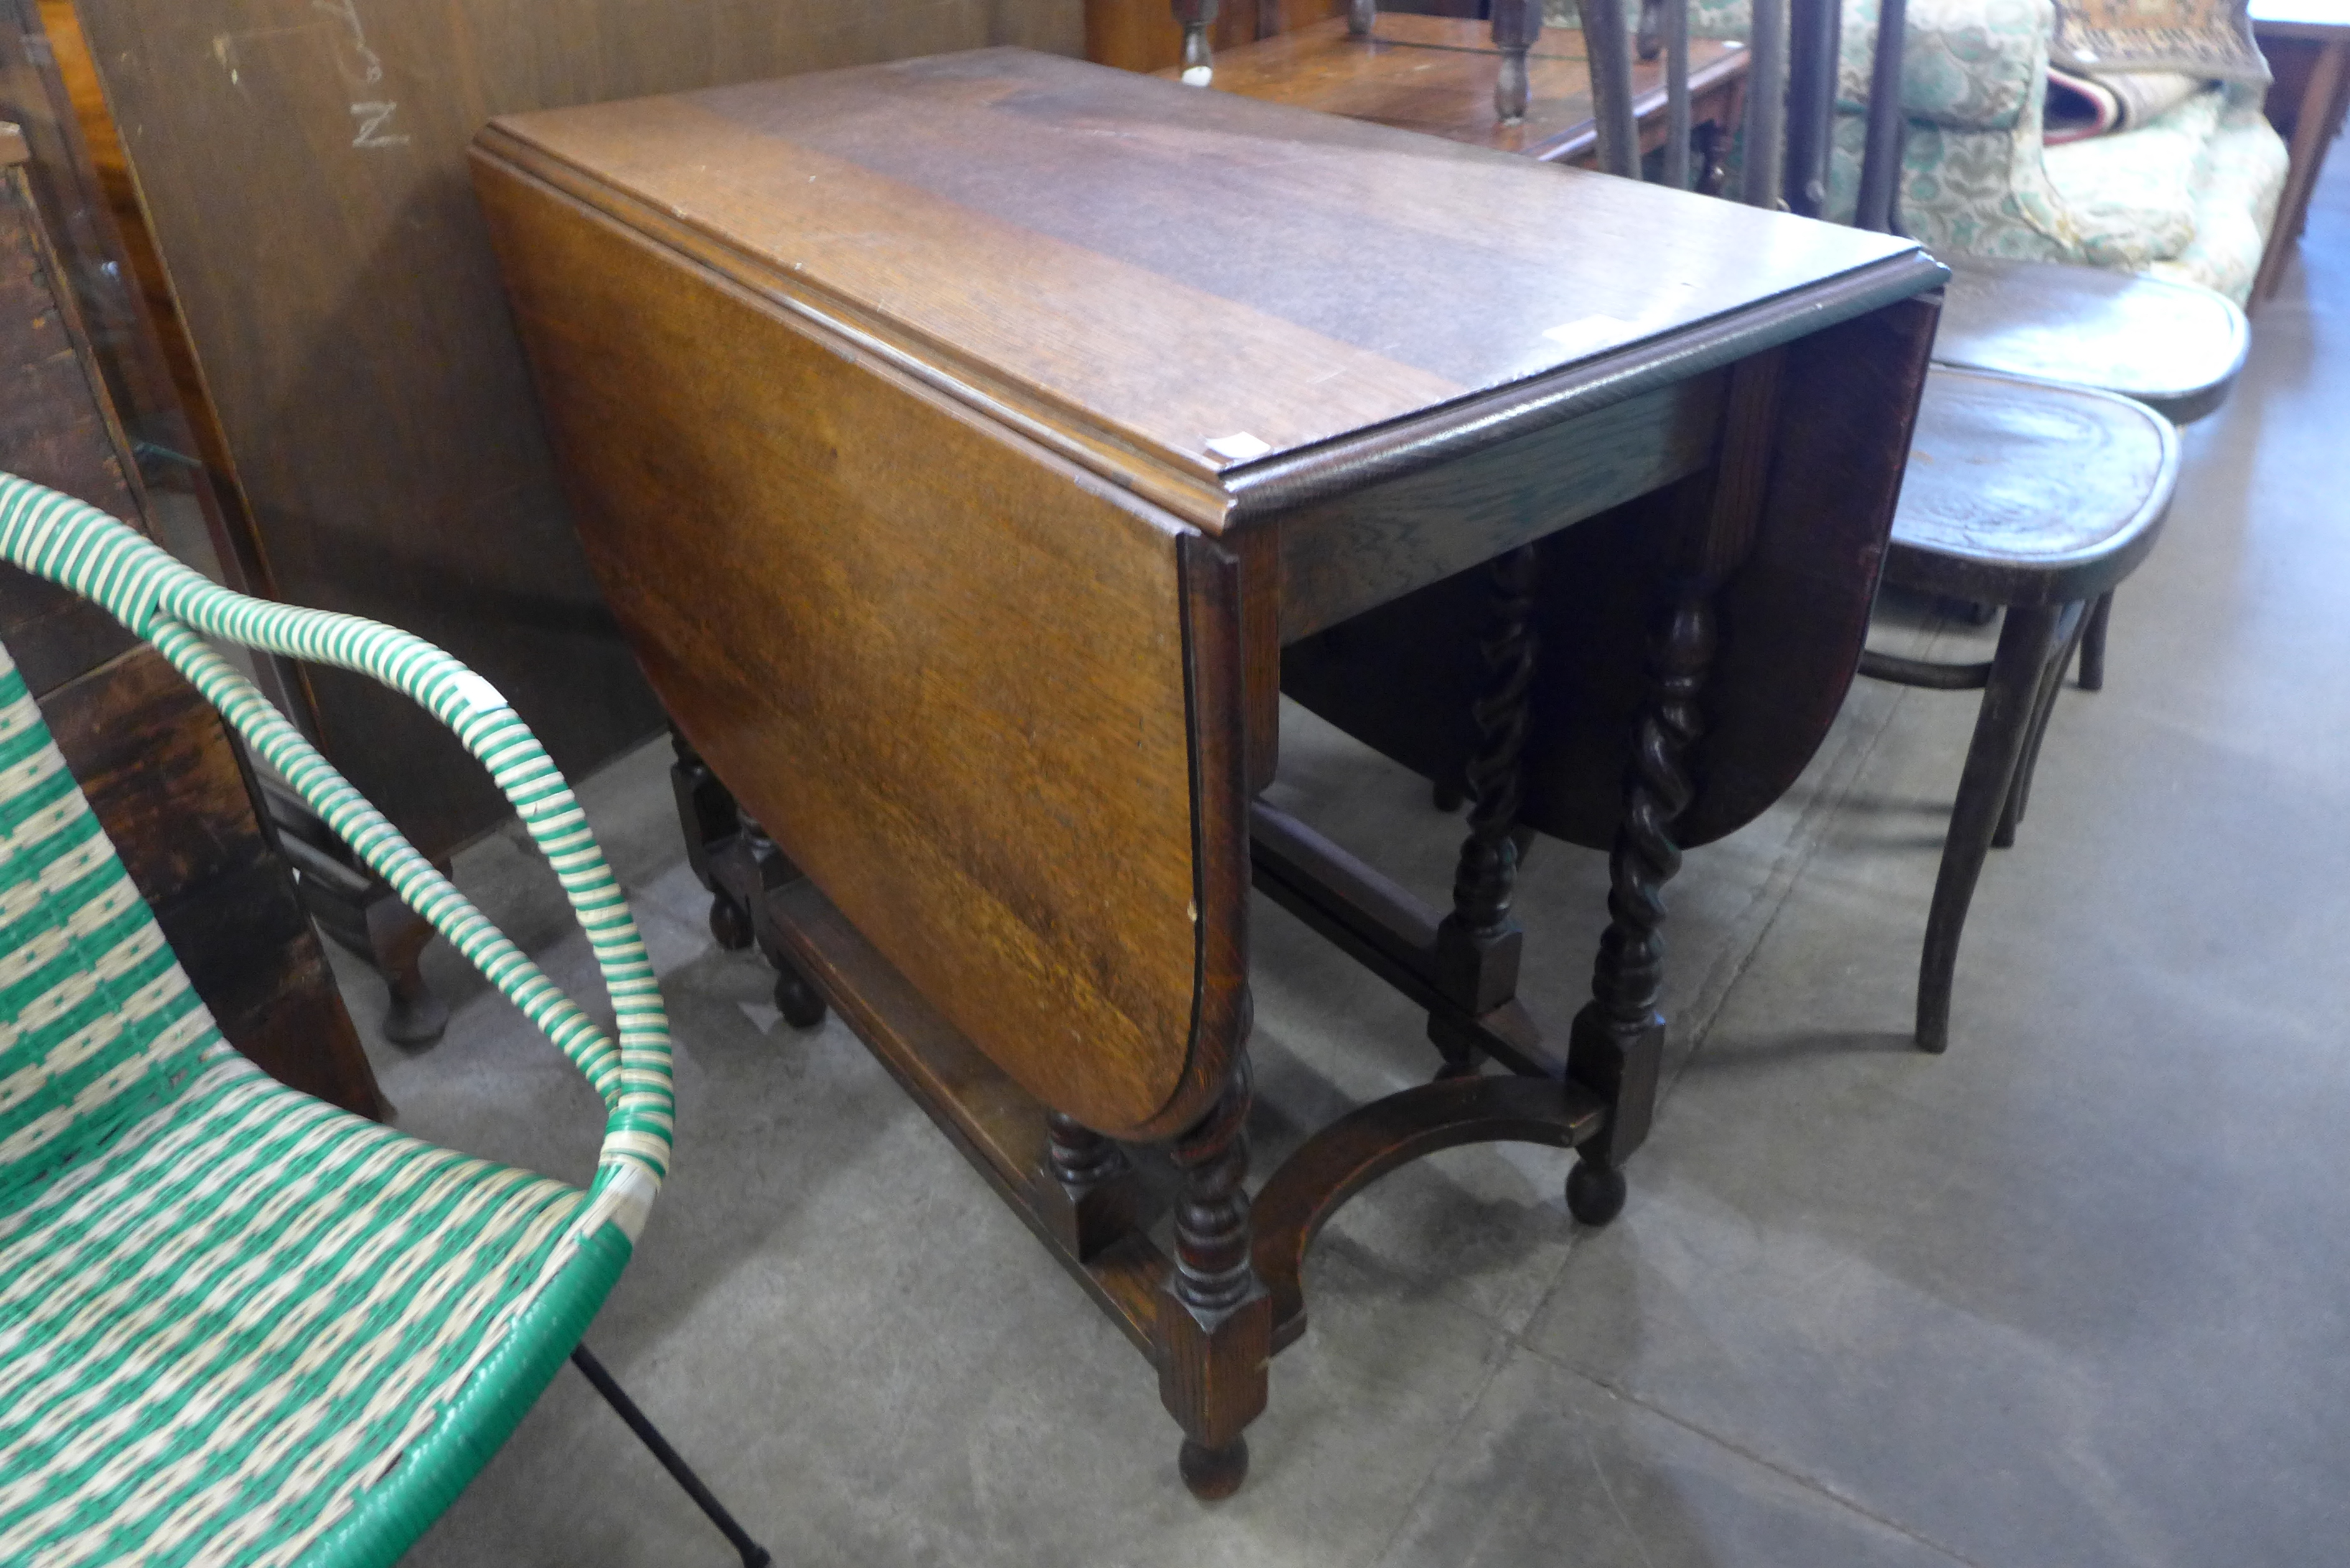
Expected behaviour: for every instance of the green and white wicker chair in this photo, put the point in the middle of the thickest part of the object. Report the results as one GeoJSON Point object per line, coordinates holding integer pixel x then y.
{"type": "Point", "coordinates": [238, 1326]}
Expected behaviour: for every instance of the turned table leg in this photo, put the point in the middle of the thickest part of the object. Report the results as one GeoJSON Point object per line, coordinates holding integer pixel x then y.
{"type": "Point", "coordinates": [1517, 23]}
{"type": "Point", "coordinates": [707, 813]}
{"type": "Point", "coordinates": [733, 856]}
{"type": "Point", "coordinates": [800, 1003]}
{"type": "Point", "coordinates": [359, 910]}
{"type": "Point", "coordinates": [1215, 1320]}
{"type": "Point", "coordinates": [1478, 945]}
{"type": "Point", "coordinates": [1195, 17]}
{"type": "Point", "coordinates": [397, 937]}
{"type": "Point", "coordinates": [1617, 1043]}
{"type": "Point", "coordinates": [1097, 1181]}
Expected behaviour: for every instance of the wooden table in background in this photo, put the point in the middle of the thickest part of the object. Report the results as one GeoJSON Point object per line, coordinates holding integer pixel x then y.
{"type": "Point", "coordinates": [2307, 42]}
{"type": "Point", "coordinates": [973, 451]}
{"type": "Point", "coordinates": [1435, 75]}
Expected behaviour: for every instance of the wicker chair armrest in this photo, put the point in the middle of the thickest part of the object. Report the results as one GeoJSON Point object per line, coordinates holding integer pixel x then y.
{"type": "Point", "coordinates": [175, 609]}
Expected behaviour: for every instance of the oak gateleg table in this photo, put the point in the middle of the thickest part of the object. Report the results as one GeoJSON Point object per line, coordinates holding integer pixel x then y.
{"type": "Point", "coordinates": [973, 449]}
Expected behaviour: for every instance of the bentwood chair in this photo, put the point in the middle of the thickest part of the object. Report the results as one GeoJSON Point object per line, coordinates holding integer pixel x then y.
{"type": "Point", "coordinates": [2023, 493]}
{"type": "Point", "coordinates": [2176, 347]}
{"type": "Point", "coordinates": [236, 1323]}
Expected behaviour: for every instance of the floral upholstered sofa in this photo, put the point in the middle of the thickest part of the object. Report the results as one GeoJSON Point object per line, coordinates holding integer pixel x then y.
{"type": "Point", "coordinates": [2190, 195]}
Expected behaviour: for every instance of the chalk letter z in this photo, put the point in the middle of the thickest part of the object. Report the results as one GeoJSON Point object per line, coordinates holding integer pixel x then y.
{"type": "Point", "coordinates": [371, 117]}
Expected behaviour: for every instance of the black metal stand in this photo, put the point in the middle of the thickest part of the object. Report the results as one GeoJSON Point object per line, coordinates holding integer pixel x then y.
{"type": "Point", "coordinates": [754, 1554]}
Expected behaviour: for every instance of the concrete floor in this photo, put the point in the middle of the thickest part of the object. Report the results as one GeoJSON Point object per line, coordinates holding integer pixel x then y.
{"type": "Point", "coordinates": [2074, 1295]}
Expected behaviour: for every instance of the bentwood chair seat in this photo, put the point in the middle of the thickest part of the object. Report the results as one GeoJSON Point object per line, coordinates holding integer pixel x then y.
{"type": "Point", "coordinates": [2021, 492]}
{"type": "Point", "coordinates": [2040, 499]}
{"type": "Point", "coordinates": [2175, 347]}
{"type": "Point", "coordinates": [238, 1326]}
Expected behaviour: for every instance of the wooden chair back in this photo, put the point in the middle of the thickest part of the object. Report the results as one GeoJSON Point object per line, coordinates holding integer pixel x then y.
{"type": "Point", "coordinates": [1791, 90]}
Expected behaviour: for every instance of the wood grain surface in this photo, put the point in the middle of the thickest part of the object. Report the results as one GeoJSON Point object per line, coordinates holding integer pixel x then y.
{"type": "Point", "coordinates": [301, 162]}
{"type": "Point", "coordinates": [2043, 498]}
{"type": "Point", "coordinates": [55, 428]}
{"type": "Point", "coordinates": [1143, 35]}
{"type": "Point", "coordinates": [1133, 270]}
{"type": "Point", "coordinates": [1353, 552]}
{"type": "Point", "coordinates": [945, 670]}
{"type": "Point", "coordinates": [2176, 346]}
{"type": "Point", "coordinates": [1435, 75]}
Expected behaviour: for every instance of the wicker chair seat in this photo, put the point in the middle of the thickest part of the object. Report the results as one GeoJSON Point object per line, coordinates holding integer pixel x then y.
{"type": "Point", "coordinates": [218, 1335]}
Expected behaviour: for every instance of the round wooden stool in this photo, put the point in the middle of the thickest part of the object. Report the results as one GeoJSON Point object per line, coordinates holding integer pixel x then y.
{"type": "Point", "coordinates": [2039, 499]}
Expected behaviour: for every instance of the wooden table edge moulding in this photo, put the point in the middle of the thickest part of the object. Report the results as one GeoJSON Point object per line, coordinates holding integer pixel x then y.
{"type": "Point", "coordinates": [972, 627]}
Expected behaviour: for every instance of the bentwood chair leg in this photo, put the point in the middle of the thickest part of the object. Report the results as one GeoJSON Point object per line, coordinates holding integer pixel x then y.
{"type": "Point", "coordinates": [2019, 790]}
{"type": "Point", "coordinates": [2093, 644]}
{"type": "Point", "coordinates": [754, 1554]}
{"type": "Point", "coordinates": [2025, 643]}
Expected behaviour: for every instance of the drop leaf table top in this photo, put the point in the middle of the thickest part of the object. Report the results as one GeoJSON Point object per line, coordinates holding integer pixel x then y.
{"type": "Point", "coordinates": [971, 448]}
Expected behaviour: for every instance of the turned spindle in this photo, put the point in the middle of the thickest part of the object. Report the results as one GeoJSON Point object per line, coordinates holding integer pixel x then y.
{"type": "Point", "coordinates": [707, 813]}
{"type": "Point", "coordinates": [1517, 25]}
{"type": "Point", "coordinates": [1098, 1186]}
{"type": "Point", "coordinates": [800, 1003]}
{"type": "Point", "coordinates": [1477, 946]}
{"type": "Point", "coordinates": [1215, 1319]}
{"type": "Point", "coordinates": [1195, 17]}
{"type": "Point", "coordinates": [1616, 1047]}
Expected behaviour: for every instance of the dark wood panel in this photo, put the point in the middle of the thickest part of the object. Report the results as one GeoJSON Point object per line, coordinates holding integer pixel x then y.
{"type": "Point", "coordinates": [155, 762]}
{"type": "Point", "coordinates": [362, 366]}
{"type": "Point", "coordinates": [158, 770]}
{"type": "Point", "coordinates": [55, 430]}
{"type": "Point", "coordinates": [1343, 557]}
{"type": "Point", "coordinates": [248, 947]}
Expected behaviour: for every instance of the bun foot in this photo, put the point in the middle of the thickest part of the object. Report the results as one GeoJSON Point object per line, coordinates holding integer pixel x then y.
{"type": "Point", "coordinates": [1448, 797]}
{"type": "Point", "coordinates": [415, 1017]}
{"type": "Point", "coordinates": [1595, 1193]}
{"type": "Point", "coordinates": [1214, 1474]}
{"type": "Point", "coordinates": [730, 923]}
{"type": "Point", "coordinates": [798, 1002]}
